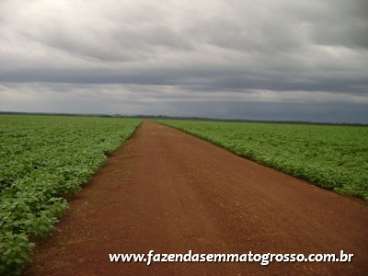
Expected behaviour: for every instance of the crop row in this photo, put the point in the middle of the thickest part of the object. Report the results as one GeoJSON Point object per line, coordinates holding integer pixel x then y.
{"type": "Point", "coordinates": [43, 159]}
{"type": "Point", "coordinates": [333, 157]}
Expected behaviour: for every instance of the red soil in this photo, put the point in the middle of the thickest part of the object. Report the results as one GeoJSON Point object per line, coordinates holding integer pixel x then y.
{"type": "Point", "coordinates": [171, 192]}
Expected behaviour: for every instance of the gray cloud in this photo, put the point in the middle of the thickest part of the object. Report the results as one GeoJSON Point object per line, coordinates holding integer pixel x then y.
{"type": "Point", "coordinates": [177, 53]}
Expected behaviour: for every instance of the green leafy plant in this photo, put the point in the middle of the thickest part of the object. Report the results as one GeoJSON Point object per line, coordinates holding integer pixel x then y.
{"type": "Point", "coordinates": [43, 159]}
{"type": "Point", "coordinates": [333, 157]}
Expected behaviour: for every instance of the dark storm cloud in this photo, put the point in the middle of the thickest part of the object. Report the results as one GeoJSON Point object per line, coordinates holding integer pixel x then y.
{"type": "Point", "coordinates": [182, 52]}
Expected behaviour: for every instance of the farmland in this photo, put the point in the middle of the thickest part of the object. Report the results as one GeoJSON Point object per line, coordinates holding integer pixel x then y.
{"type": "Point", "coordinates": [43, 159]}
{"type": "Point", "coordinates": [164, 181]}
{"type": "Point", "coordinates": [333, 157]}
{"type": "Point", "coordinates": [168, 191]}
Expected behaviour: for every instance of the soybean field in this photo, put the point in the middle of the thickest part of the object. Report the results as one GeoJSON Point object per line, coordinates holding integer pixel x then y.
{"type": "Point", "coordinates": [43, 159]}
{"type": "Point", "coordinates": [331, 156]}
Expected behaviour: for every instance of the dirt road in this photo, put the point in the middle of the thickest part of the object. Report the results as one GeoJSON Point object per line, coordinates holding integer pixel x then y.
{"type": "Point", "coordinates": [171, 192]}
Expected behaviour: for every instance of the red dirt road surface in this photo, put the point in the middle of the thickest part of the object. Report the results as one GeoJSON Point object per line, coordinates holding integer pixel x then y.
{"type": "Point", "coordinates": [171, 192]}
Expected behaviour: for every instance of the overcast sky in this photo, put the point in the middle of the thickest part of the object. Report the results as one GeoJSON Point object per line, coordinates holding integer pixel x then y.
{"type": "Point", "coordinates": [265, 59]}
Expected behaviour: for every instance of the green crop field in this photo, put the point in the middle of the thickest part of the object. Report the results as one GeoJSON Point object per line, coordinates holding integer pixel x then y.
{"type": "Point", "coordinates": [42, 160]}
{"type": "Point", "coordinates": [333, 157]}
